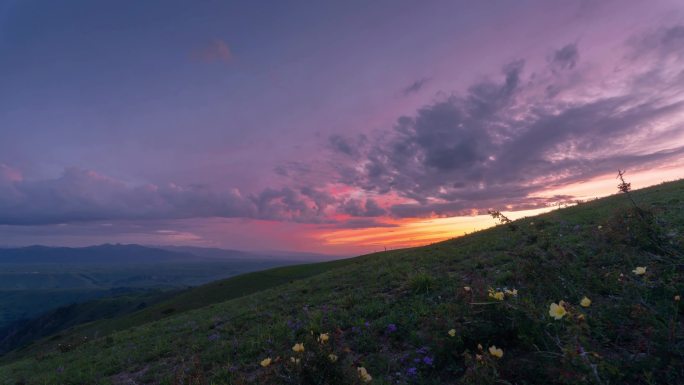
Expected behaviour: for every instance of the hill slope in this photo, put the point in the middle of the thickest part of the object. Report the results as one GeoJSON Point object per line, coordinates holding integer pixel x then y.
{"type": "Point", "coordinates": [419, 315]}
{"type": "Point", "coordinates": [36, 280]}
{"type": "Point", "coordinates": [121, 302]}
{"type": "Point", "coordinates": [101, 317]}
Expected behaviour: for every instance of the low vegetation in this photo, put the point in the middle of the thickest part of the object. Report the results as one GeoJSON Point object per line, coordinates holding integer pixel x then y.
{"type": "Point", "coordinates": [70, 325]}
{"type": "Point", "coordinates": [585, 294]}
{"type": "Point", "coordinates": [38, 279]}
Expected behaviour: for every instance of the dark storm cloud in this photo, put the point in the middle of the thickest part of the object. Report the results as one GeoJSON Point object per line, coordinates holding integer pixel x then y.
{"type": "Point", "coordinates": [341, 144]}
{"type": "Point", "coordinates": [288, 204]}
{"type": "Point", "coordinates": [500, 144]}
{"type": "Point", "coordinates": [347, 146]}
{"type": "Point", "coordinates": [358, 208]}
{"type": "Point", "coordinates": [451, 137]}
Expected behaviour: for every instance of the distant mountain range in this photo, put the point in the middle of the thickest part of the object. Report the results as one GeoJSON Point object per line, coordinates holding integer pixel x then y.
{"type": "Point", "coordinates": [137, 254]}
{"type": "Point", "coordinates": [211, 252]}
{"type": "Point", "coordinates": [102, 254]}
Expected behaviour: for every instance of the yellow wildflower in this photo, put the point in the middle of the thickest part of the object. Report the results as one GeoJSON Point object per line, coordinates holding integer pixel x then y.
{"type": "Point", "coordinates": [298, 347]}
{"type": "Point", "coordinates": [452, 333]}
{"type": "Point", "coordinates": [295, 361]}
{"type": "Point", "coordinates": [640, 270]}
{"type": "Point", "coordinates": [323, 338]}
{"type": "Point", "coordinates": [466, 288]}
{"type": "Point", "coordinates": [513, 292]}
{"type": "Point", "coordinates": [557, 311]}
{"type": "Point", "coordinates": [580, 317]}
{"type": "Point", "coordinates": [496, 352]}
{"type": "Point", "coordinates": [677, 298]}
{"type": "Point", "coordinates": [585, 302]}
{"type": "Point", "coordinates": [497, 295]}
{"type": "Point", "coordinates": [479, 347]}
{"type": "Point", "coordinates": [266, 361]}
{"type": "Point", "coordinates": [363, 374]}
{"type": "Point", "coordinates": [332, 358]}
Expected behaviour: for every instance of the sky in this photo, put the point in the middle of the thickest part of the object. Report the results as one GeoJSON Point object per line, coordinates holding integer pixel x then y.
{"type": "Point", "coordinates": [339, 127]}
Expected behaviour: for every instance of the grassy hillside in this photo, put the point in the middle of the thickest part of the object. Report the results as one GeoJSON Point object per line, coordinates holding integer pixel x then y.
{"type": "Point", "coordinates": [114, 314]}
{"type": "Point", "coordinates": [472, 310]}
{"type": "Point", "coordinates": [119, 303]}
{"type": "Point", "coordinates": [27, 290]}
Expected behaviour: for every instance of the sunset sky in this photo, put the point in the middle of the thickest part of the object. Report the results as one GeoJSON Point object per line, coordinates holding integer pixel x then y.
{"type": "Point", "coordinates": [334, 127]}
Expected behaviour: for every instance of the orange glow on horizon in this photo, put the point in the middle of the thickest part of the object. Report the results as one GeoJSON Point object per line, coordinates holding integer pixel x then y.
{"type": "Point", "coordinates": [414, 232]}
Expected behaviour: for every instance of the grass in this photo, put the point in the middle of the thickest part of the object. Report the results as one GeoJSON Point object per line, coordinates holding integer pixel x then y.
{"type": "Point", "coordinates": [391, 313]}
{"type": "Point", "coordinates": [194, 298]}
{"type": "Point", "coordinates": [118, 303]}
{"type": "Point", "coordinates": [28, 290]}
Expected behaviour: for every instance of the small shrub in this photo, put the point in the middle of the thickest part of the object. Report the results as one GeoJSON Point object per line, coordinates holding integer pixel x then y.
{"type": "Point", "coordinates": [422, 283]}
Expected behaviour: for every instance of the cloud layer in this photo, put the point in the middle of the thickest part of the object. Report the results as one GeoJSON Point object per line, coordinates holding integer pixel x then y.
{"type": "Point", "coordinates": [507, 140]}
{"type": "Point", "coordinates": [82, 195]}
{"type": "Point", "coordinates": [499, 144]}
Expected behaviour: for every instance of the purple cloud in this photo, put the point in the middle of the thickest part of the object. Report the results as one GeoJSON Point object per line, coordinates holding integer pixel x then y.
{"type": "Point", "coordinates": [499, 144]}
{"type": "Point", "coordinates": [505, 141]}
{"type": "Point", "coordinates": [83, 195]}
{"type": "Point", "coordinates": [565, 58]}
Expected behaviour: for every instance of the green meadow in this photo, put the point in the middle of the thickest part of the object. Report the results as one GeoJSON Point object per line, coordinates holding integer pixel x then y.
{"type": "Point", "coordinates": [584, 294]}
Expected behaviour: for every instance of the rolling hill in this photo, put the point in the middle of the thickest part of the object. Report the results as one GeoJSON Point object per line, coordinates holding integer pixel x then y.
{"type": "Point", "coordinates": [118, 303]}
{"type": "Point", "coordinates": [102, 317]}
{"type": "Point", "coordinates": [585, 294]}
{"type": "Point", "coordinates": [48, 287]}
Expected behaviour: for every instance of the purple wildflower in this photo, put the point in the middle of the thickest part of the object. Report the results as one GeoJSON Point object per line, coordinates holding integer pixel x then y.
{"type": "Point", "coordinates": [427, 360]}
{"type": "Point", "coordinates": [423, 350]}
{"type": "Point", "coordinates": [391, 328]}
{"type": "Point", "coordinates": [294, 324]}
{"type": "Point", "coordinates": [412, 371]}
